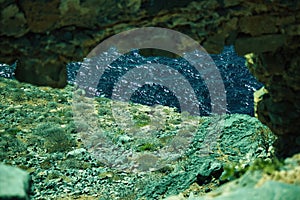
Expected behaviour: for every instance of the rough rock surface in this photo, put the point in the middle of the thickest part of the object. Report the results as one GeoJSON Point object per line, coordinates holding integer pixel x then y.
{"type": "Point", "coordinates": [38, 134]}
{"type": "Point", "coordinates": [45, 35]}
{"type": "Point", "coordinates": [278, 103]}
{"type": "Point", "coordinates": [233, 144]}
{"type": "Point", "coordinates": [14, 183]}
{"type": "Point", "coordinates": [265, 183]}
{"type": "Point", "coordinates": [269, 190]}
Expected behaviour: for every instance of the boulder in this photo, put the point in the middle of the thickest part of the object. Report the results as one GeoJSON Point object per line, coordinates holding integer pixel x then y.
{"type": "Point", "coordinates": [14, 183]}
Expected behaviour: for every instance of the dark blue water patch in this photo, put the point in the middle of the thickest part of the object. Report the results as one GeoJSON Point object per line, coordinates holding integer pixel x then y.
{"type": "Point", "coordinates": [238, 81]}
{"type": "Point", "coordinates": [8, 71]}
{"type": "Point", "coordinates": [153, 94]}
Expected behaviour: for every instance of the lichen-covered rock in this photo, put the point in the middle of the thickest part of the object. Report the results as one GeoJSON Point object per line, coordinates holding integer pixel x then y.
{"type": "Point", "coordinates": [281, 181]}
{"type": "Point", "coordinates": [13, 22]}
{"type": "Point", "coordinates": [234, 146]}
{"type": "Point", "coordinates": [278, 106]}
{"type": "Point", "coordinates": [269, 190]}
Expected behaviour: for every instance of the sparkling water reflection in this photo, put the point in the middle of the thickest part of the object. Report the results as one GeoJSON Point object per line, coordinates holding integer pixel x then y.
{"type": "Point", "coordinates": [238, 81]}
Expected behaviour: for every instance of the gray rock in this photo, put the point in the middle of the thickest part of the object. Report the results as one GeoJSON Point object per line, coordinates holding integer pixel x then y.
{"type": "Point", "coordinates": [240, 139]}
{"type": "Point", "coordinates": [76, 152]}
{"type": "Point", "coordinates": [268, 191]}
{"type": "Point", "coordinates": [14, 183]}
{"type": "Point", "coordinates": [245, 189]}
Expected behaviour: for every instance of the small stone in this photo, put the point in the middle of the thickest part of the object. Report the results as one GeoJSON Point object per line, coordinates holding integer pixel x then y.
{"type": "Point", "coordinates": [76, 152]}
{"type": "Point", "coordinates": [125, 138]}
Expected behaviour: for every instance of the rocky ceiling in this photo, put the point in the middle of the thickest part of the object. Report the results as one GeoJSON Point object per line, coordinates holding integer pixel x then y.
{"type": "Point", "coordinates": [44, 35]}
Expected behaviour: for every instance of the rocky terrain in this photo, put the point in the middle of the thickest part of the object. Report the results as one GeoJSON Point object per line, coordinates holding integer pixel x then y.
{"type": "Point", "coordinates": [39, 135]}
{"type": "Point", "coordinates": [37, 128]}
{"type": "Point", "coordinates": [45, 35]}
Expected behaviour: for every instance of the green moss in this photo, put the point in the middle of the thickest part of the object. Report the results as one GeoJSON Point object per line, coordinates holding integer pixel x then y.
{"type": "Point", "coordinates": [102, 100]}
{"type": "Point", "coordinates": [233, 171]}
{"type": "Point", "coordinates": [46, 164]}
{"type": "Point", "coordinates": [56, 139]}
{"type": "Point", "coordinates": [53, 175]}
{"type": "Point", "coordinates": [147, 144]}
{"type": "Point", "coordinates": [52, 104]}
{"type": "Point", "coordinates": [167, 111]}
{"type": "Point", "coordinates": [62, 98]}
{"type": "Point", "coordinates": [62, 113]}
{"type": "Point", "coordinates": [73, 163]}
{"type": "Point", "coordinates": [106, 175]}
{"type": "Point", "coordinates": [147, 147]}
{"type": "Point", "coordinates": [10, 145]}
{"type": "Point", "coordinates": [81, 126]}
{"type": "Point", "coordinates": [68, 113]}
{"type": "Point", "coordinates": [104, 111]}
{"type": "Point", "coordinates": [12, 131]}
{"type": "Point", "coordinates": [17, 95]}
{"type": "Point", "coordinates": [267, 166]}
{"type": "Point", "coordinates": [141, 119]}
{"type": "Point", "coordinates": [175, 120]}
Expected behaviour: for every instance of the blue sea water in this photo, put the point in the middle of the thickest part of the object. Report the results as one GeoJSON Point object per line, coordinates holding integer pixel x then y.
{"type": "Point", "coordinates": [238, 81]}
{"type": "Point", "coordinates": [8, 71]}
